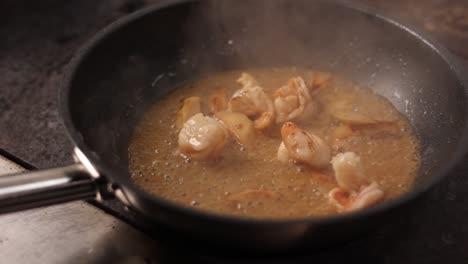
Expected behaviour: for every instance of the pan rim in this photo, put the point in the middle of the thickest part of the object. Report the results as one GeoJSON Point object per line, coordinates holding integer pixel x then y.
{"type": "Point", "coordinates": [75, 136]}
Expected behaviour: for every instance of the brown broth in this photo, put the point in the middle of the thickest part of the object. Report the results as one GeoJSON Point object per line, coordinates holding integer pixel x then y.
{"type": "Point", "coordinates": [389, 153]}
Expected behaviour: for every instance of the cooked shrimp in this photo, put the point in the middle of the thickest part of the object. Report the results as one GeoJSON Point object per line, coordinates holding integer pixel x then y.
{"type": "Point", "coordinates": [264, 120]}
{"type": "Point", "coordinates": [367, 197]}
{"type": "Point", "coordinates": [247, 80]}
{"type": "Point", "coordinates": [202, 137]}
{"type": "Point", "coordinates": [344, 111]}
{"type": "Point", "coordinates": [351, 201]}
{"type": "Point", "coordinates": [353, 118]}
{"type": "Point", "coordinates": [282, 154]}
{"type": "Point", "coordinates": [252, 101]}
{"type": "Point", "coordinates": [240, 126]}
{"type": "Point", "coordinates": [354, 191]}
{"type": "Point", "coordinates": [190, 107]}
{"type": "Point", "coordinates": [218, 100]}
{"type": "Point", "coordinates": [348, 169]}
{"type": "Point", "coordinates": [291, 100]}
{"type": "Point", "coordinates": [302, 146]}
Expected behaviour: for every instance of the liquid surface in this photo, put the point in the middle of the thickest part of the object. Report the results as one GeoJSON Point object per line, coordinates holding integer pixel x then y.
{"type": "Point", "coordinates": [389, 153]}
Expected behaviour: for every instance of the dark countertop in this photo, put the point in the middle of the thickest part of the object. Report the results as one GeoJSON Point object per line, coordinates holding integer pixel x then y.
{"type": "Point", "coordinates": [39, 37]}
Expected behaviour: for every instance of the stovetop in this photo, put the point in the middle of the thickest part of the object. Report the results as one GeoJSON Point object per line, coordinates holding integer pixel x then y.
{"type": "Point", "coordinates": [38, 39]}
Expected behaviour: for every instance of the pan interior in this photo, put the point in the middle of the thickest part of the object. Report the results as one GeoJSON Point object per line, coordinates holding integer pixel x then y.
{"type": "Point", "coordinates": [130, 68]}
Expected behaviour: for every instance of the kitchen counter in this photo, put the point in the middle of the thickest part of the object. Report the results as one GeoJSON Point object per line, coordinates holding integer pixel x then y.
{"type": "Point", "coordinates": [39, 37]}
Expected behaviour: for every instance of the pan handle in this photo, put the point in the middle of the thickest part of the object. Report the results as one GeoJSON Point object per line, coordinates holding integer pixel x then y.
{"type": "Point", "coordinates": [46, 187]}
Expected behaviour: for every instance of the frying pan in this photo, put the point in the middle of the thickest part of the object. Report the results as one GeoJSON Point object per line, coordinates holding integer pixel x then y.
{"type": "Point", "coordinates": [136, 60]}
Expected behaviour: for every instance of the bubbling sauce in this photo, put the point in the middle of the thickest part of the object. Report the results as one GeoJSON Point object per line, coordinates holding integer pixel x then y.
{"type": "Point", "coordinates": [252, 182]}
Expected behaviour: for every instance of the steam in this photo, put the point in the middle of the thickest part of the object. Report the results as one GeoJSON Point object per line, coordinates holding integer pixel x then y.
{"type": "Point", "coordinates": [241, 34]}
{"type": "Point", "coordinates": [322, 35]}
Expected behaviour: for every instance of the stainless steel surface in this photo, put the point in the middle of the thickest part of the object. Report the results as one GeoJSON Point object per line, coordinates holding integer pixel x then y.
{"type": "Point", "coordinates": [75, 232]}
{"type": "Point", "coordinates": [45, 187]}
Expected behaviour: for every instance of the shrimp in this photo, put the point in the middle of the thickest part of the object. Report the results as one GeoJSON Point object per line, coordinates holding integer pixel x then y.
{"type": "Point", "coordinates": [190, 107]}
{"type": "Point", "coordinates": [282, 154]}
{"type": "Point", "coordinates": [347, 202]}
{"type": "Point", "coordinates": [202, 137]}
{"type": "Point", "coordinates": [300, 145]}
{"type": "Point", "coordinates": [252, 101]}
{"type": "Point", "coordinates": [247, 80]}
{"type": "Point", "coordinates": [218, 100]}
{"type": "Point", "coordinates": [292, 100]}
{"type": "Point", "coordinates": [343, 111]}
{"type": "Point", "coordinates": [354, 191]}
{"type": "Point", "coordinates": [240, 126]}
{"type": "Point", "coordinates": [348, 169]}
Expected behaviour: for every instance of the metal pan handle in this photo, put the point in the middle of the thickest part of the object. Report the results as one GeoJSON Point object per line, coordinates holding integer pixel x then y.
{"type": "Point", "coordinates": [46, 187]}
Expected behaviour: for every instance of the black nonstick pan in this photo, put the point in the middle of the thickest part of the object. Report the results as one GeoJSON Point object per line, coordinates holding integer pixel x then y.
{"type": "Point", "coordinates": [130, 64]}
